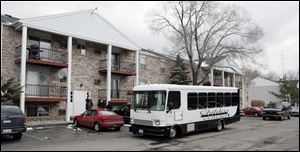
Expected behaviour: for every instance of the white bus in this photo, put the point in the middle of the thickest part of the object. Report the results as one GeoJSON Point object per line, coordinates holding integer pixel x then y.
{"type": "Point", "coordinates": [174, 110]}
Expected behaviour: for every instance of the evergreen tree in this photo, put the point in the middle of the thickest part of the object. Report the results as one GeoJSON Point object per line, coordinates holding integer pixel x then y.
{"type": "Point", "coordinates": [287, 91]}
{"type": "Point", "coordinates": [179, 74]}
{"type": "Point", "coordinates": [10, 91]}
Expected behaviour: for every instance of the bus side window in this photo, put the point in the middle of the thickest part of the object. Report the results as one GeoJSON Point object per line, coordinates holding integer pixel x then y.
{"type": "Point", "coordinates": [211, 100]}
{"type": "Point", "coordinates": [235, 99]}
{"type": "Point", "coordinates": [192, 101]}
{"type": "Point", "coordinates": [202, 98]}
{"type": "Point", "coordinates": [174, 98]}
{"type": "Point", "coordinates": [227, 99]}
{"type": "Point", "coordinates": [220, 99]}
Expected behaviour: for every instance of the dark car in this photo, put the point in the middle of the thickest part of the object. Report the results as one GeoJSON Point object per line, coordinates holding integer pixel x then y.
{"type": "Point", "coordinates": [123, 111]}
{"type": "Point", "coordinates": [98, 119]}
{"type": "Point", "coordinates": [253, 111]}
{"type": "Point", "coordinates": [12, 121]}
{"type": "Point", "coordinates": [277, 110]}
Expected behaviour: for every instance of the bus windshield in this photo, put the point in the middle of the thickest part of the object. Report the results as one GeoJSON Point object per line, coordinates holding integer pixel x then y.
{"type": "Point", "coordinates": [149, 100]}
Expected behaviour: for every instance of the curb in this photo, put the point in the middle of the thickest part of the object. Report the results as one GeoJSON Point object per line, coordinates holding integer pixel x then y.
{"type": "Point", "coordinates": [45, 126]}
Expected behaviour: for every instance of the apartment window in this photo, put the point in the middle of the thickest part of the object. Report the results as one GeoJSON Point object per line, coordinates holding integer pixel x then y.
{"type": "Point", "coordinates": [211, 100]}
{"type": "Point", "coordinates": [192, 101]}
{"type": "Point", "coordinates": [202, 98]}
{"type": "Point", "coordinates": [37, 111]}
{"type": "Point", "coordinates": [81, 46]}
{"type": "Point", "coordinates": [162, 67]}
{"type": "Point", "coordinates": [142, 62]}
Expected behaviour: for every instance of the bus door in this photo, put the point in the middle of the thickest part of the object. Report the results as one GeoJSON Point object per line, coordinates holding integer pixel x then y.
{"type": "Point", "coordinates": [173, 107]}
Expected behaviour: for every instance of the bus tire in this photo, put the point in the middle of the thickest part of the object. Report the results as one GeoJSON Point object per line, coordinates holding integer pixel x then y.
{"type": "Point", "coordinates": [173, 132]}
{"type": "Point", "coordinates": [220, 125]}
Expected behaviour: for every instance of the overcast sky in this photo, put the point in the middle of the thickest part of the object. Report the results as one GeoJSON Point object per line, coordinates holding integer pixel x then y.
{"type": "Point", "coordinates": [279, 20]}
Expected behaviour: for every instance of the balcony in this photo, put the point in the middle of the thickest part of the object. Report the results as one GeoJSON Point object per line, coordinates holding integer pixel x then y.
{"type": "Point", "coordinates": [45, 93]}
{"type": "Point", "coordinates": [124, 68]}
{"type": "Point", "coordinates": [117, 96]}
{"type": "Point", "coordinates": [43, 56]}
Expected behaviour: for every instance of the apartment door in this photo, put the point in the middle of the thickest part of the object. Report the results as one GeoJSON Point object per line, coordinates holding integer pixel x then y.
{"type": "Point", "coordinates": [37, 84]}
{"type": "Point", "coordinates": [115, 61]}
{"type": "Point", "coordinates": [45, 46]}
{"type": "Point", "coordinates": [32, 83]}
{"type": "Point", "coordinates": [115, 90]}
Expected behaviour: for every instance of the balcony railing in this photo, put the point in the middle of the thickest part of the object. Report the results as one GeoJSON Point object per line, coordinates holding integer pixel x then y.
{"type": "Point", "coordinates": [45, 91]}
{"type": "Point", "coordinates": [43, 54]}
{"type": "Point", "coordinates": [123, 66]}
{"type": "Point", "coordinates": [116, 94]}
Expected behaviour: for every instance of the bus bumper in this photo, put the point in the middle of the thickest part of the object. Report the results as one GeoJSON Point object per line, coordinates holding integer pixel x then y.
{"type": "Point", "coordinates": [149, 130]}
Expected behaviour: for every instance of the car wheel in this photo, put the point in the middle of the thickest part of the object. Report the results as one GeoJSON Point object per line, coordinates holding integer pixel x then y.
{"type": "Point", "coordinates": [97, 126]}
{"type": "Point", "coordinates": [256, 114]}
{"type": "Point", "coordinates": [76, 123]}
{"type": "Point", "coordinates": [117, 128]}
{"type": "Point", "coordinates": [289, 116]}
{"type": "Point", "coordinates": [264, 118]}
{"type": "Point", "coordinates": [173, 132]}
{"type": "Point", "coordinates": [220, 125]}
{"type": "Point", "coordinates": [17, 136]}
{"type": "Point", "coordinates": [281, 118]}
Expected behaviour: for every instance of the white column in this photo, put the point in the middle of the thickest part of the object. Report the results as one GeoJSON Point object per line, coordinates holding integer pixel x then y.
{"type": "Point", "coordinates": [1, 45]}
{"type": "Point", "coordinates": [23, 67]}
{"type": "Point", "coordinates": [137, 63]}
{"type": "Point", "coordinates": [223, 79]}
{"type": "Point", "coordinates": [233, 79]}
{"type": "Point", "coordinates": [108, 82]}
{"type": "Point", "coordinates": [243, 91]}
{"type": "Point", "coordinates": [212, 77]}
{"type": "Point", "coordinates": [69, 79]}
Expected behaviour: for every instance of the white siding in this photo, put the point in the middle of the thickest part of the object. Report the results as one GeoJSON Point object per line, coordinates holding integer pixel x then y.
{"type": "Point", "coordinates": [83, 25]}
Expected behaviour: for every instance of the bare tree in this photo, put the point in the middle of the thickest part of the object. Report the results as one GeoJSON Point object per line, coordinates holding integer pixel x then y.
{"type": "Point", "coordinates": [207, 32]}
{"type": "Point", "coordinates": [249, 74]}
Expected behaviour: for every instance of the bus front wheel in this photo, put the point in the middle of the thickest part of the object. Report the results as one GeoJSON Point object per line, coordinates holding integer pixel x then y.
{"type": "Point", "coordinates": [220, 125]}
{"type": "Point", "coordinates": [173, 132]}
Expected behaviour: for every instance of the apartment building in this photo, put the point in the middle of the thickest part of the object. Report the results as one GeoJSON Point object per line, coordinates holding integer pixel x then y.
{"type": "Point", "coordinates": [63, 59]}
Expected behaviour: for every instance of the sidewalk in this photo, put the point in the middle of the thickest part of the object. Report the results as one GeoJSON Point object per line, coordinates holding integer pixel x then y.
{"type": "Point", "coordinates": [45, 124]}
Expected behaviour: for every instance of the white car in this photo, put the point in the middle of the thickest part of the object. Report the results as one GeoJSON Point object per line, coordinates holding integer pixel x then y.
{"type": "Point", "coordinates": [295, 111]}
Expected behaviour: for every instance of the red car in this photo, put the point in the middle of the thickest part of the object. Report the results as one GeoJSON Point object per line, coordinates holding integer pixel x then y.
{"type": "Point", "coordinates": [99, 118]}
{"type": "Point", "coordinates": [253, 111]}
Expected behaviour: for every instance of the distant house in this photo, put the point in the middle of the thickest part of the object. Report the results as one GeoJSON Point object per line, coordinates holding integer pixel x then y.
{"type": "Point", "coordinates": [260, 89]}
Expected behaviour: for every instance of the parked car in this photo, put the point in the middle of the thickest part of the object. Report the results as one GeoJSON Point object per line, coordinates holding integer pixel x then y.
{"type": "Point", "coordinates": [123, 111]}
{"type": "Point", "coordinates": [253, 111]}
{"type": "Point", "coordinates": [277, 110]}
{"type": "Point", "coordinates": [12, 121]}
{"type": "Point", "coordinates": [295, 111]}
{"type": "Point", "coordinates": [98, 119]}
{"type": "Point", "coordinates": [242, 113]}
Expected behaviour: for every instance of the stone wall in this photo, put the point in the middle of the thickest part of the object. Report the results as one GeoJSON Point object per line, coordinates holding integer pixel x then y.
{"type": "Point", "coordinates": [152, 74]}
{"type": "Point", "coordinates": [10, 40]}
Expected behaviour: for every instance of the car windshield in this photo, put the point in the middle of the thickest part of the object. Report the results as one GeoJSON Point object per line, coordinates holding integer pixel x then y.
{"type": "Point", "coordinates": [149, 100]}
{"type": "Point", "coordinates": [10, 111]}
{"type": "Point", "coordinates": [274, 105]}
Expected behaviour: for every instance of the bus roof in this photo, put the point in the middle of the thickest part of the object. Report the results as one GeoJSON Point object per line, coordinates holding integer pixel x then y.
{"type": "Point", "coordinates": [183, 87]}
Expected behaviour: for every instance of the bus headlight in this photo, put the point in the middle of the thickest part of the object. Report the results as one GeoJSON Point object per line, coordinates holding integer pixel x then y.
{"type": "Point", "coordinates": [157, 122]}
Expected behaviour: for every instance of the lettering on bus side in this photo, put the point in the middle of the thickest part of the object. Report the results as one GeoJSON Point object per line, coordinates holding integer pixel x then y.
{"type": "Point", "coordinates": [214, 114]}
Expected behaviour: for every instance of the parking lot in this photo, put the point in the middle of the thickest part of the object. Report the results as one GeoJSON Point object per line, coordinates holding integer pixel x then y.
{"type": "Point", "coordinates": [251, 133]}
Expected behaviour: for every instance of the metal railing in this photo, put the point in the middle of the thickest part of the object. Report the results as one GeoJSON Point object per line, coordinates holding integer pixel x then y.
{"type": "Point", "coordinates": [46, 54]}
{"type": "Point", "coordinates": [123, 66]}
{"type": "Point", "coordinates": [116, 94]}
{"type": "Point", "coordinates": [45, 91]}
